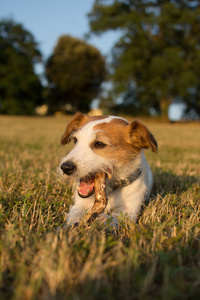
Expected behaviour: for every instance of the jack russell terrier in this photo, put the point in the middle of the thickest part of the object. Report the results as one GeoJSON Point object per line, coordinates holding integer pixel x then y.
{"type": "Point", "coordinates": [108, 144]}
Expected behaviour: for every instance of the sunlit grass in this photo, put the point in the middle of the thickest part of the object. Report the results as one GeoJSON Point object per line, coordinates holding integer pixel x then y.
{"type": "Point", "coordinates": [157, 258]}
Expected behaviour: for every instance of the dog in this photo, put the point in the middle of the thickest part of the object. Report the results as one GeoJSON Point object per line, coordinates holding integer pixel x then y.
{"type": "Point", "coordinates": [108, 144]}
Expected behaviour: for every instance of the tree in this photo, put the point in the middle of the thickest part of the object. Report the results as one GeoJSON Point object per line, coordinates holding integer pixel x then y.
{"type": "Point", "coordinates": [75, 72]}
{"type": "Point", "coordinates": [20, 87]}
{"type": "Point", "coordinates": [156, 60]}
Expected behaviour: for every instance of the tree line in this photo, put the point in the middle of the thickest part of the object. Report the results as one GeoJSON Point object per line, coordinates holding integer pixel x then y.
{"type": "Point", "coordinates": [74, 72]}
{"type": "Point", "coordinates": [154, 63]}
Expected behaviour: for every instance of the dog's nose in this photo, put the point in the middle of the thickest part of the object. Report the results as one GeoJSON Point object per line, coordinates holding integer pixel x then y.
{"type": "Point", "coordinates": [68, 167]}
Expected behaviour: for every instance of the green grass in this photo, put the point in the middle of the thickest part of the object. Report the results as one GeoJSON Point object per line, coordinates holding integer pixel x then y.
{"type": "Point", "coordinates": [157, 258]}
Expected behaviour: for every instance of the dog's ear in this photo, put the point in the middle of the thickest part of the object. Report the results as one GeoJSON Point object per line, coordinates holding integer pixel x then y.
{"type": "Point", "coordinates": [77, 122]}
{"type": "Point", "coordinates": [141, 137]}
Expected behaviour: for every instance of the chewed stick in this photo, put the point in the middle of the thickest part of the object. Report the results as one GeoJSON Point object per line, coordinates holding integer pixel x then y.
{"type": "Point", "coordinates": [101, 200]}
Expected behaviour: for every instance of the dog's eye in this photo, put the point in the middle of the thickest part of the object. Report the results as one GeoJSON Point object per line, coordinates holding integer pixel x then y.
{"type": "Point", "coordinates": [75, 140]}
{"type": "Point", "coordinates": [99, 145]}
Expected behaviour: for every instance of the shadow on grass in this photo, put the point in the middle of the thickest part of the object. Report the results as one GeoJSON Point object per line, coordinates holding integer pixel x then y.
{"type": "Point", "coordinates": [168, 183]}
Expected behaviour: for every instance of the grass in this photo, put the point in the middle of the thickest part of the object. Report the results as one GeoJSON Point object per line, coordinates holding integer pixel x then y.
{"type": "Point", "coordinates": [157, 258]}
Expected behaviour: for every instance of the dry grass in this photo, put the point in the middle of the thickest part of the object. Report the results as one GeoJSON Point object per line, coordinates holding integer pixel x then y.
{"type": "Point", "coordinates": [157, 258]}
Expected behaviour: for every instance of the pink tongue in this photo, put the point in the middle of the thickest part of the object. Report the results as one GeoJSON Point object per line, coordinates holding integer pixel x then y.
{"type": "Point", "coordinates": [86, 187]}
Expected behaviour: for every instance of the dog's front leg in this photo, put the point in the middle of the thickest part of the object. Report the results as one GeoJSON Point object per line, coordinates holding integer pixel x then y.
{"type": "Point", "coordinates": [79, 209]}
{"type": "Point", "coordinates": [75, 214]}
{"type": "Point", "coordinates": [108, 220]}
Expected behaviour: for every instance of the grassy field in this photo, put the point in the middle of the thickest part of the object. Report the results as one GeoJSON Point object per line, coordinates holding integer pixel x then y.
{"type": "Point", "coordinates": [157, 258]}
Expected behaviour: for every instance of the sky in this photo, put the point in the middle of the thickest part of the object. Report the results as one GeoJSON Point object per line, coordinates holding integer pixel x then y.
{"type": "Point", "coordinates": [47, 20]}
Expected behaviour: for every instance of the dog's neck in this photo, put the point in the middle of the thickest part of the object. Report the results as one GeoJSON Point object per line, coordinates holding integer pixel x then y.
{"type": "Point", "coordinates": [126, 174]}
{"type": "Point", "coordinates": [115, 184]}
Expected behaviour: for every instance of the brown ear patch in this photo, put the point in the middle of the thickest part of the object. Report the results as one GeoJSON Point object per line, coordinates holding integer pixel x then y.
{"type": "Point", "coordinates": [78, 121]}
{"type": "Point", "coordinates": [141, 137]}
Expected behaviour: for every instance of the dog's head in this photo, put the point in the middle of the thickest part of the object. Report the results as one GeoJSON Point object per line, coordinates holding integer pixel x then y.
{"type": "Point", "coordinates": [102, 143]}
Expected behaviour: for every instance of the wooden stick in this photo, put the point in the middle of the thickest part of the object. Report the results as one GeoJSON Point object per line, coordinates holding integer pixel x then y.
{"type": "Point", "coordinates": [101, 200]}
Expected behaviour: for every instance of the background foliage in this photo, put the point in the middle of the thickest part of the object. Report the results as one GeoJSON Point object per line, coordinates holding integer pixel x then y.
{"type": "Point", "coordinates": [75, 72]}
{"type": "Point", "coordinates": [155, 62]}
{"type": "Point", "coordinates": [20, 87]}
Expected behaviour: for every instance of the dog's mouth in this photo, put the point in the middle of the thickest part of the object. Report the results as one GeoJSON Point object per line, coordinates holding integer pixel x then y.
{"type": "Point", "coordinates": [86, 186]}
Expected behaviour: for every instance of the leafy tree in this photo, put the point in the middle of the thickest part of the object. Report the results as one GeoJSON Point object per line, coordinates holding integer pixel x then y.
{"type": "Point", "coordinates": [20, 87]}
{"type": "Point", "coordinates": [156, 60]}
{"type": "Point", "coordinates": [75, 72]}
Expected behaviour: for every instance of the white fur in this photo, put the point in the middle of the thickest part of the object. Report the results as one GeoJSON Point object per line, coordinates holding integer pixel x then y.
{"type": "Point", "coordinates": [126, 199]}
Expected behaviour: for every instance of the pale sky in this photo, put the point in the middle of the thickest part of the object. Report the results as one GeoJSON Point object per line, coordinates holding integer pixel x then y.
{"type": "Point", "coordinates": [49, 19]}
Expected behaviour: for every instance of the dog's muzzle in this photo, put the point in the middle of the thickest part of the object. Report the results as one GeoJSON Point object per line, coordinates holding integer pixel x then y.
{"type": "Point", "coordinates": [68, 167]}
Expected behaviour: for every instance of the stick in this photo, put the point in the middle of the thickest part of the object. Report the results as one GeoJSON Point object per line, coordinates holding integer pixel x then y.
{"type": "Point", "coordinates": [101, 200]}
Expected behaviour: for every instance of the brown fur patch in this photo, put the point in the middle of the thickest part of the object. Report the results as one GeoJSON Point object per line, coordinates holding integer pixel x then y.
{"type": "Point", "coordinates": [141, 137]}
{"type": "Point", "coordinates": [119, 146]}
{"type": "Point", "coordinates": [126, 140]}
{"type": "Point", "coordinates": [78, 121]}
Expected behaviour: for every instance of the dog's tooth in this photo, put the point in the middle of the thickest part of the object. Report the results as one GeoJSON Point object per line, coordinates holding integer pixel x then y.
{"type": "Point", "coordinates": [109, 174]}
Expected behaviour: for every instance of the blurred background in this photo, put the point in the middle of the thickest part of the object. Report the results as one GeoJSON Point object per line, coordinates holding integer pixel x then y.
{"type": "Point", "coordinates": [138, 58]}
